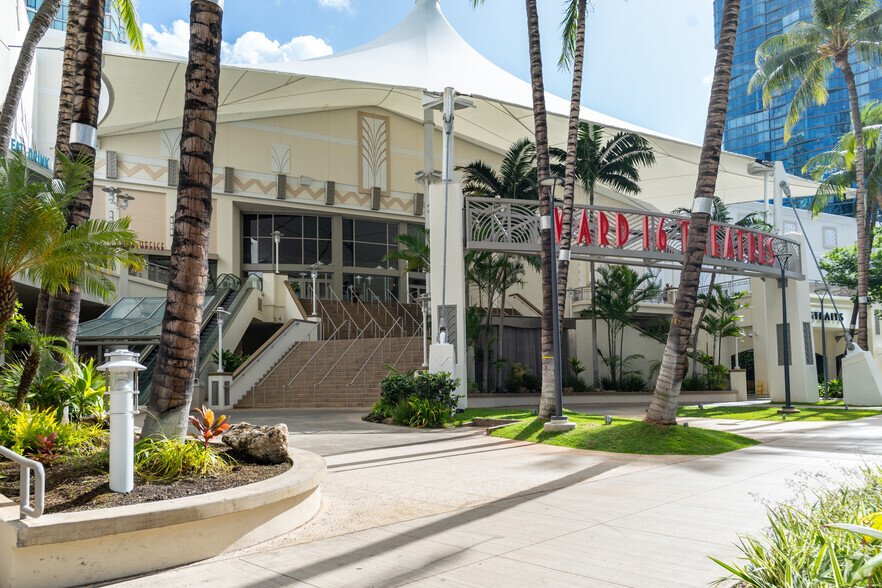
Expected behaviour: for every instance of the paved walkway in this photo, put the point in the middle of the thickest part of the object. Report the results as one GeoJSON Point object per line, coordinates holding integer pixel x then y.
{"type": "Point", "coordinates": [457, 508]}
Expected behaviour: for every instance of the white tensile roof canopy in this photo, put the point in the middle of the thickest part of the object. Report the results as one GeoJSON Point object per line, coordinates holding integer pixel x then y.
{"type": "Point", "coordinates": [421, 54]}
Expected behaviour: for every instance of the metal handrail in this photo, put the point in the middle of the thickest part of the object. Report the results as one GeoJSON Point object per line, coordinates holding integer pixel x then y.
{"type": "Point", "coordinates": [308, 361]}
{"type": "Point", "coordinates": [415, 320]}
{"type": "Point", "coordinates": [371, 356]}
{"type": "Point", "coordinates": [24, 483]}
{"type": "Point", "coordinates": [343, 308]}
{"type": "Point", "coordinates": [395, 320]}
{"type": "Point", "coordinates": [245, 366]}
{"type": "Point", "coordinates": [340, 357]}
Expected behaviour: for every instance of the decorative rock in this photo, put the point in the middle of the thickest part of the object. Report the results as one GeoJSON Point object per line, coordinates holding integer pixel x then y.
{"type": "Point", "coordinates": [264, 444]}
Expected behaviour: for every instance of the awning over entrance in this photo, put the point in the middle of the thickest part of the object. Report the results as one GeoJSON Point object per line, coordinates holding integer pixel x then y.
{"type": "Point", "coordinates": [629, 237]}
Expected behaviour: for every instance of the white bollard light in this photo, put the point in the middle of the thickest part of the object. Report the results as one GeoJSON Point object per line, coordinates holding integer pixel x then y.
{"type": "Point", "coordinates": [121, 374]}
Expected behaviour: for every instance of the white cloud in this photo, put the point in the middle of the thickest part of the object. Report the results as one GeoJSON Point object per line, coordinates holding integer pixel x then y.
{"type": "Point", "coordinates": [335, 4]}
{"type": "Point", "coordinates": [255, 47]}
{"type": "Point", "coordinates": [252, 47]}
{"type": "Point", "coordinates": [175, 40]}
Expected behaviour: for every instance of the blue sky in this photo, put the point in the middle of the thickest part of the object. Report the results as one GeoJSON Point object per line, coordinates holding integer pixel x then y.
{"type": "Point", "coordinates": [648, 62]}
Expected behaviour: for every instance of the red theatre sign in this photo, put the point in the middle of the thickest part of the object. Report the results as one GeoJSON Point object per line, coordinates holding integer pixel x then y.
{"type": "Point", "coordinates": [632, 237]}
{"type": "Point", "coordinates": [727, 242]}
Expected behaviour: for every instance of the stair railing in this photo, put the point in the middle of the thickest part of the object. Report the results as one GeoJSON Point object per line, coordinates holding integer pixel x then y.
{"type": "Point", "coordinates": [24, 483]}
{"type": "Point", "coordinates": [368, 319]}
{"type": "Point", "coordinates": [272, 371]}
{"type": "Point", "coordinates": [332, 370]}
{"type": "Point", "coordinates": [368, 361]}
{"type": "Point", "coordinates": [362, 373]}
{"type": "Point", "coordinates": [395, 320]}
{"type": "Point", "coordinates": [306, 364]}
{"type": "Point", "coordinates": [417, 323]}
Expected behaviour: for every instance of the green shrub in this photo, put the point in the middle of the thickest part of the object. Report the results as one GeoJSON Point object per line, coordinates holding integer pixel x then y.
{"type": "Point", "coordinates": [403, 412]}
{"type": "Point", "coordinates": [381, 409]}
{"type": "Point", "coordinates": [694, 383]}
{"type": "Point", "coordinates": [834, 389]}
{"type": "Point", "coordinates": [84, 391]}
{"type": "Point", "coordinates": [397, 387]}
{"type": "Point", "coordinates": [19, 429]}
{"type": "Point", "coordinates": [627, 383]}
{"type": "Point", "coordinates": [805, 544]}
{"type": "Point", "coordinates": [168, 460]}
{"type": "Point", "coordinates": [427, 413]}
{"type": "Point", "coordinates": [522, 379]}
{"type": "Point", "coordinates": [576, 383]}
{"type": "Point", "coordinates": [439, 387]}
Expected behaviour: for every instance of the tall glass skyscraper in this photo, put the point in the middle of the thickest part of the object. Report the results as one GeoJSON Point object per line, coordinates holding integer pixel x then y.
{"type": "Point", "coordinates": [758, 132]}
{"type": "Point", "coordinates": [113, 29]}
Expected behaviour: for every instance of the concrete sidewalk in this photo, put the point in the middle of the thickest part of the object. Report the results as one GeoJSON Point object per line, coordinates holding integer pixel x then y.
{"type": "Point", "coordinates": [462, 509]}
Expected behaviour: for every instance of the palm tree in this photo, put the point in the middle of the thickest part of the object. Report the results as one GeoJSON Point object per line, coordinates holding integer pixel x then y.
{"type": "Point", "coordinates": [615, 163]}
{"type": "Point", "coordinates": [619, 294]}
{"type": "Point", "coordinates": [38, 27]}
{"type": "Point", "coordinates": [40, 348]}
{"type": "Point", "coordinates": [573, 54]}
{"type": "Point", "coordinates": [178, 355]}
{"type": "Point", "coordinates": [663, 409]}
{"type": "Point", "coordinates": [516, 177]}
{"type": "Point", "coordinates": [723, 318]}
{"type": "Point", "coordinates": [413, 250]}
{"type": "Point", "coordinates": [512, 275]}
{"type": "Point", "coordinates": [720, 214]}
{"type": "Point", "coordinates": [81, 76]}
{"type": "Point", "coordinates": [805, 55]}
{"type": "Point", "coordinates": [543, 165]}
{"type": "Point", "coordinates": [37, 246]}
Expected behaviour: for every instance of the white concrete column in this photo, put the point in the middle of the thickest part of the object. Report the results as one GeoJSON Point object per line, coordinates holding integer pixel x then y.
{"type": "Point", "coordinates": [767, 315]}
{"type": "Point", "coordinates": [442, 357]}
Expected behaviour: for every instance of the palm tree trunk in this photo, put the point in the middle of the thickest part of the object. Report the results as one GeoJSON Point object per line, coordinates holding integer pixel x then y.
{"type": "Point", "coordinates": [8, 298]}
{"type": "Point", "coordinates": [176, 362]}
{"type": "Point", "coordinates": [860, 204]}
{"type": "Point", "coordinates": [710, 291]}
{"type": "Point", "coordinates": [663, 409]}
{"type": "Point", "coordinates": [499, 341]}
{"type": "Point", "coordinates": [543, 166]}
{"type": "Point", "coordinates": [62, 137]}
{"type": "Point", "coordinates": [570, 174]}
{"type": "Point", "coordinates": [28, 373]}
{"type": "Point", "coordinates": [63, 315]}
{"type": "Point", "coordinates": [41, 22]}
{"type": "Point", "coordinates": [595, 356]}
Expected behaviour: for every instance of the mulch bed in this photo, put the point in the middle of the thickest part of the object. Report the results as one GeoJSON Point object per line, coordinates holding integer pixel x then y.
{"type": "Point", "coordinates": [82, 483]}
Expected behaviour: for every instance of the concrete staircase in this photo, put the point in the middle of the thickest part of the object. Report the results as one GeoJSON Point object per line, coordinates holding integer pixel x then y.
{"type": "Point", "coordinates": [346, 368]}
{"type": "Point", "coordinates": [336, 373]}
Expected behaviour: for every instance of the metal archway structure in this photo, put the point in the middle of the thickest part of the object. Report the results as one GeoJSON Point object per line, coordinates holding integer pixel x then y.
{"type": "Point", "coordinates": [628, 237]}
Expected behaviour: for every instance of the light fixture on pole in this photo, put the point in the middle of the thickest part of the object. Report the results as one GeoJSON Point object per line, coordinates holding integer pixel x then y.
{"type": "Point", "coordinates": [423, 301]}
{"type": "Point", "coordinates": [116, 197]}
{"type": "Point", "coordinates": [822, 293]}
{"type": "Point", "coordinates": [783, 258]}
{"type": "Point", "coordinates": [558, 422]}
{"type": "Point", "coordinates": [220, 337]}
{"type": "Point", "coordinates": [314, 291]}
{"type": "Point", "coordinates": [121, 377]}
{"type": "Point", "coordinates": [277, 238]}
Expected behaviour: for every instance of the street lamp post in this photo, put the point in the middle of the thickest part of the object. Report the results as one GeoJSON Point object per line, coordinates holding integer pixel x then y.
{"type": "Point", "coordinates": [277, 238]}
{"type": "Point", "coordinates": [783, 258]}
{"type": "Point", "coordinates": [424, 302]}
{"type": "Point", "coordinates": [220, 337]}
{"type": "Point", "coordinates": [314, 295]}
{"type": "Point", "coordinates": [116, 197]}
{"type": "Point", "coordinates": [822, 293]}
{"type": "Point", "coordinates": [558, 421]}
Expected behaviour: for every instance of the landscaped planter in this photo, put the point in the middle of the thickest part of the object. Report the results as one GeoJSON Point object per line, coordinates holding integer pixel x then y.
{"type": "Point", "coordinates": [67, 549]}
{"type": "Point", "coordinates": [569, 400]}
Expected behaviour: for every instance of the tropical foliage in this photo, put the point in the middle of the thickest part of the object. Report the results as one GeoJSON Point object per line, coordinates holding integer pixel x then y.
{"type": "Point", "coordinates": [804, 56]}
{"type": "Point", "coordinates": [840, 266]}
{"type": "Point", "coordinates": [620, 291]}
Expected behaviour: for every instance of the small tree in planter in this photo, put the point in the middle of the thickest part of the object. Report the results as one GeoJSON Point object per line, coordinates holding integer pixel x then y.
{"type": "Point", "coordinates": [721, 320]}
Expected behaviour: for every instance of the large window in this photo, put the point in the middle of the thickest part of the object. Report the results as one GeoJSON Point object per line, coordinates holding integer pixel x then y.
{"type": "Point", "coordinates": [367, 242]}
{"type": "Point", "coordinates": [303, 240]}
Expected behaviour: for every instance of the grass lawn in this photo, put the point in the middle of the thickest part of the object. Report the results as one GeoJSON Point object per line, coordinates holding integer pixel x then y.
{"type": "Point", "coordinates": [767, 413]}
{"type": "Point", "coordinates": [627, 436]}
{"type": "Point", "coordinates": [493, 413]}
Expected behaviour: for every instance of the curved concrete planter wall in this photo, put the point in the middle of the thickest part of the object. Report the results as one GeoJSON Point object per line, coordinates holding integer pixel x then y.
{"type": "Point", "coordinates": [68, 549]}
